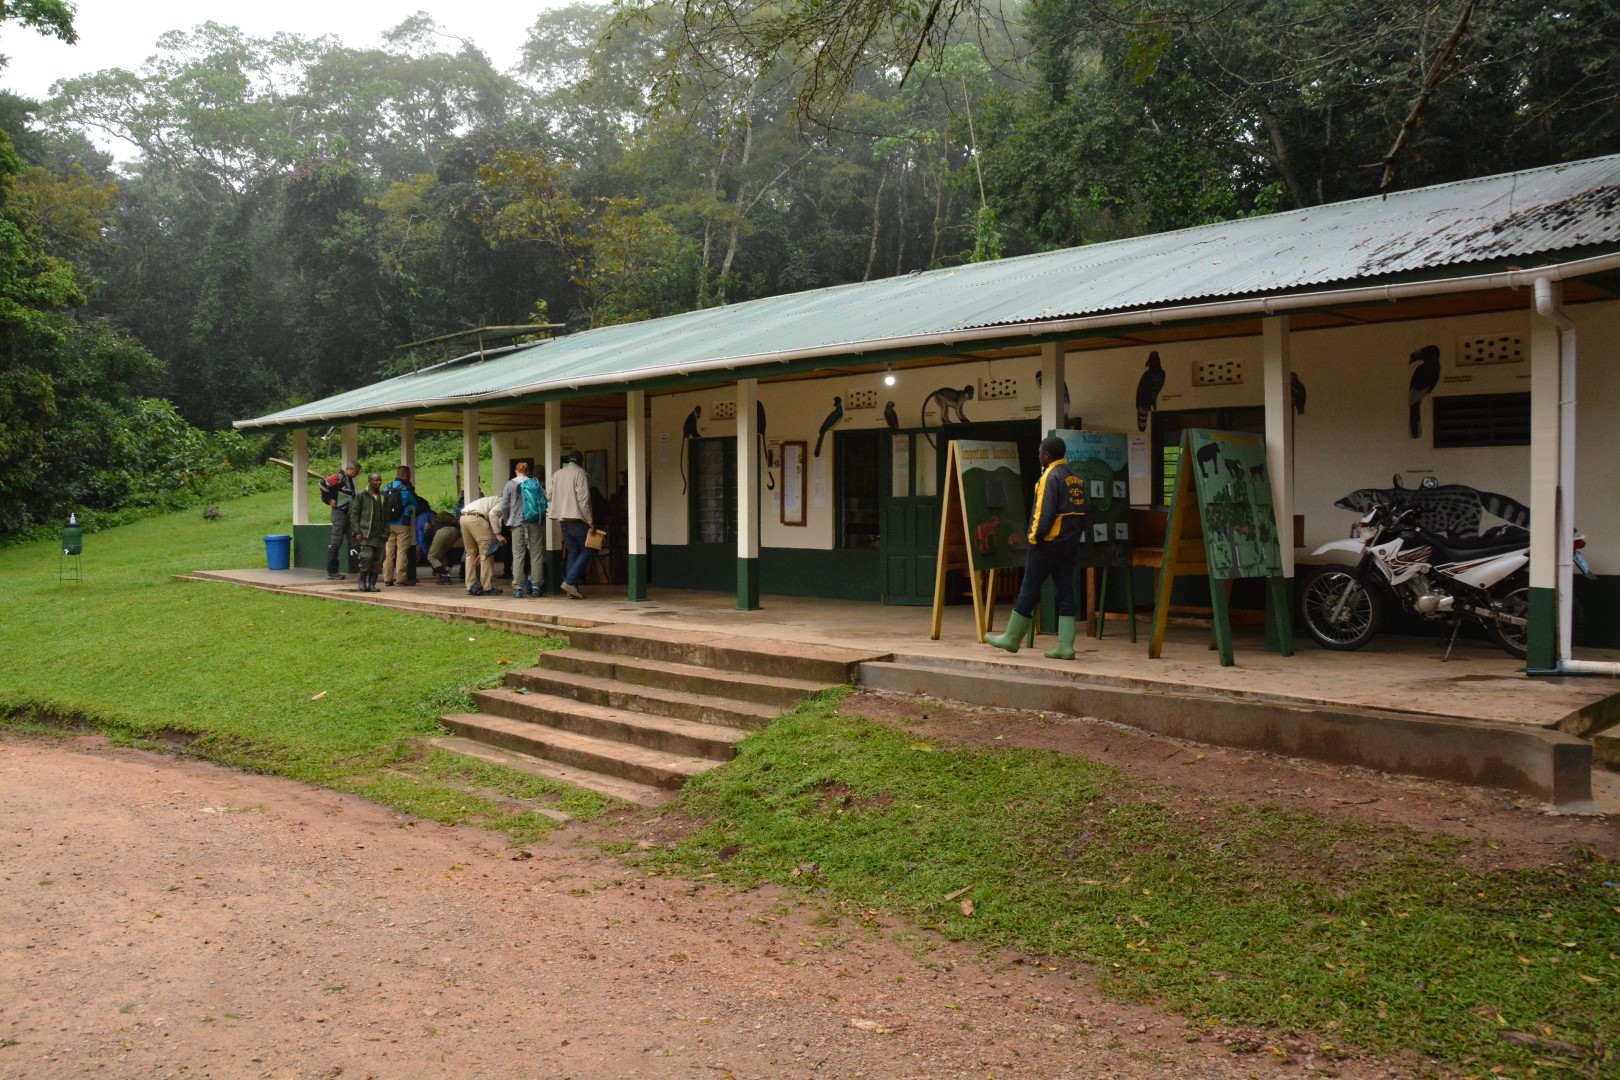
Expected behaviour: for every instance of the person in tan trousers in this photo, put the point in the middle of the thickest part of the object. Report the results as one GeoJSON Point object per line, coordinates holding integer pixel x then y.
{"type": "Point", "coordinates": [480, 529]}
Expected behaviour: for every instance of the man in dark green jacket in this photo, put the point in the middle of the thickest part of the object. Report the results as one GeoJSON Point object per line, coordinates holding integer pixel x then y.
{"type": "Point", "coordinates": [1056, 531]}
{"type": "Point", "coordinates": [369, 522]}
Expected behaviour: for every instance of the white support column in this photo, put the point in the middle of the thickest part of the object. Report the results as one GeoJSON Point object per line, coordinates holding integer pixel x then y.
{"type": "Point", "coordinates": [635, 452]}
{"type": "Point", "coordinates": [407, 444]}
{"type": "Point", "coordinates": [747, 495]}
{"type": "Point", "coordinates": [300, 476]}
{"type": "Point", "coordinates": [500, 459]}
{"type": "Point", "coordinates": [351, 448]}
{"type": "Point", "coordinates": [1545, 379]}
{"type": "Point", "coordinates": [553, 463]}
{"type": "Point", "coordinates": [1052, 383]}
{"type": "Point", "coordinates": [470, 484]}
{"type": "Point", "coordinates": [1278, 364]}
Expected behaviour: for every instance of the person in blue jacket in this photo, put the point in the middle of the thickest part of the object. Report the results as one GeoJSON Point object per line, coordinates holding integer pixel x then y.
{"type": "Point", "coordinates": [399, 500]}
{"type": "Point", "coordinates": [1056, 531]}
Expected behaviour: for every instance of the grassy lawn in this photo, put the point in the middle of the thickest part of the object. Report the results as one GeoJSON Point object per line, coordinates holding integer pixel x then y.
{"type": "Point", "coordinates": [1251, 914]}
{"type": "Point", "coordinates": [331, 694]}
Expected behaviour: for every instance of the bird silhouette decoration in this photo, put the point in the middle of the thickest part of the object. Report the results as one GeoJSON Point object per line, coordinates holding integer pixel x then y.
{"type": "Point", "coordinates": [1425, 377]}
{"type": "Point", "coordinates": [1148, 388]}
{"type": "Point", "coordinates": [891, 417]}
{"type": "Point", "coordinates": [764, 447]}
{"type": "Point", "coordinates": [831, 422]}
{"type": "Point", "coordinates": [1066, 409]}
{"type": "Point", "coordinates": [1296, 391]}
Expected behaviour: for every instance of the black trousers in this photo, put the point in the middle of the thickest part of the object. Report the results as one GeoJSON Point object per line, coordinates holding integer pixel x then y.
{"type": "Point", "coordinates": [1055, 559]}
{"type": "Point", "coordinates": [340, 538]}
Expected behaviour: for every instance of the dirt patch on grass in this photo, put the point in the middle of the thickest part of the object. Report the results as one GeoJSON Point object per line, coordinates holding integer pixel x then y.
{"type": "Point", "coordinates": [1509, 831]}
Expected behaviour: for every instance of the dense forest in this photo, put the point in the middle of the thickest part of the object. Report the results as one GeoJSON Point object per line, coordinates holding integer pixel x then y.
{"type": "Point", "coordinates": [283, 213]}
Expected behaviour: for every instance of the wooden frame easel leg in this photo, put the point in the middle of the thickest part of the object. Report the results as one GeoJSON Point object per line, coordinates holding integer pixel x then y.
{"type": "Point", "coordinates": [1220, 595]}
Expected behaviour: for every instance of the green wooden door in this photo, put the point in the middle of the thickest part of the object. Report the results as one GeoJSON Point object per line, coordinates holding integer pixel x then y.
{"type": "Point", "coordinates": [908, 491]}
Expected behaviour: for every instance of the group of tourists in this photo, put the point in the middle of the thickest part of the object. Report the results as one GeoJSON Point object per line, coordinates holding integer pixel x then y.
{"type": "Point", "coordinates": [385, 529]}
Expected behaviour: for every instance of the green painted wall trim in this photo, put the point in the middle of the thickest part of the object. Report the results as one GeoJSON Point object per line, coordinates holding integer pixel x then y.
{"type": "Point", "coordinates": [747, 584]}
{"type": "Point", "coordinates": [833, 575]}
{"type": "Point", "coordinates": [309, 548]}
{"type": "Point", "coordinates": [636, 571]}
{"type": "Point", "coordinates": [1543, 630]}
{"type": "Point", "coordinates": [554, 570]}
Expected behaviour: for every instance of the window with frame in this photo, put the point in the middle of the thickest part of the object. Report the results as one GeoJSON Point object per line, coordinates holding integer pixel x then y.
{"type": "Point", "coordinates": [1167, 429]}
{"type": "Point", "coordinates": [1465, 420]}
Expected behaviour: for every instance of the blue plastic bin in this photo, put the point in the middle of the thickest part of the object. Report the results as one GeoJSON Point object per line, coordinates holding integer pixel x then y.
{"type": "Point", "coordinates": [278, 551]}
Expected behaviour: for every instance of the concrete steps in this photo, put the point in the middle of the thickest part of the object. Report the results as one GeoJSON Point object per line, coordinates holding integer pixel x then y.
{"type": "Point", "coordinates": [635, 712]}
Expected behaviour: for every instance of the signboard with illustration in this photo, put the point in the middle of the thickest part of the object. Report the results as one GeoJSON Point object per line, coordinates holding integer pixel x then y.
{"type": "Point", "coordinates": [1102, 460]}
{"type": "Point", "coordinates": [1223, 526]}
{"type": "Point", "coordinates": [993, 511]}
{"type": "Point", "coordinates": [982, 524]}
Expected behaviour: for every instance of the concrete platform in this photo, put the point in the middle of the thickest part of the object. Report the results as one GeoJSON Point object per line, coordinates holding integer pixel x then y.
{"type": "Point", "coordinates": [1399, 681]}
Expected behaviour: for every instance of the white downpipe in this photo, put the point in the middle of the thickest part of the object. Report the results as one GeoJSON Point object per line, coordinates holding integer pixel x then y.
{"type": "Point", "coordinates": [1263, 305]}
{"type": "Point", "coordinates": [1564, 535]}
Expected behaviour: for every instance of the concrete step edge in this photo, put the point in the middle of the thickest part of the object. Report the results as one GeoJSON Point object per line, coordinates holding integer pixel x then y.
{"type": "Point", "coordinates": [564, 681]}
{"type": "Point", "coordinates": [692, 729]}
{"type": "Point", "coordinates": [613, 786]}
{"type": "Point", "coordinates": [617, 660]}
{"type": "Point", "coordinates": [657, 767]}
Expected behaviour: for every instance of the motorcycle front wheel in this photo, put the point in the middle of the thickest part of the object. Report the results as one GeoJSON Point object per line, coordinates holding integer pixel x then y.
{"type": "Point", "coordinates": [1337, 610]}
{"type": "Point", "coordinates": [1514, 638]}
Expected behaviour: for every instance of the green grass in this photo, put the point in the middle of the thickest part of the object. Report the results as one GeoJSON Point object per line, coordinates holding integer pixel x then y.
{"type": "Point", "coordinates": [328, 693]}
{"type": "Point", "coordinates": [1369, 938]}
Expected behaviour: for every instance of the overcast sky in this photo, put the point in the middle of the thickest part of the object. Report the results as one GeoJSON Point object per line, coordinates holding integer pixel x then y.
{"type": "Point", "coordinates": [121, 33]}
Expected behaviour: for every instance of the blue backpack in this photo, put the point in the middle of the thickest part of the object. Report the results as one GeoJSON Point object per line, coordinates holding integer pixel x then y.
{"type": "Point", "coordinates": [534, 501]}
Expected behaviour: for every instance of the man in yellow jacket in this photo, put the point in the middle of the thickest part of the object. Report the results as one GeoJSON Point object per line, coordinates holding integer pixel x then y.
{"type": "Point", "coordinates": [1056, 531]}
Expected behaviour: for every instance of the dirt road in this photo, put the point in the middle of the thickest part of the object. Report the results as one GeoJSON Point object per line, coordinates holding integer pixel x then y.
{"type": "Point", "coordinates": [164, 917]}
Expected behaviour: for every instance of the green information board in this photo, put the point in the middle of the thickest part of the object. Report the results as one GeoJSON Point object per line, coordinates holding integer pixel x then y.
{"type": "Point", "coordinates": [1101, 460]}
{"type": "Point", "coordinates": [1222, 526]}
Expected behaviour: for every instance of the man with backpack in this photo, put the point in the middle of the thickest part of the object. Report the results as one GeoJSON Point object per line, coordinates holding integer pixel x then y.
{"type": "Point", "coordinates": [523, 509]}
{"type": "Point", "coordinates": [337, 491]}
{"type": "Point", "coordinates": [399, 505]}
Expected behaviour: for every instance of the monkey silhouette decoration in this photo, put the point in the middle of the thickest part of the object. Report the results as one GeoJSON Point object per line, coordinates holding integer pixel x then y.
{"type": "Point", "coordinates": [764, 448]}
{"type": "Point", "coordinates": [831, 422]}
{"type": "Point", "coordinates": [1148, 388]}
{"type": "Point", "coordinates": [1425, 377]}
{"type": "Point", "coordinates": [946, 399]}
{"type": "Point", "coordinates": [891, 417]}
{"type": "Point", "coordinates": [689, 431]}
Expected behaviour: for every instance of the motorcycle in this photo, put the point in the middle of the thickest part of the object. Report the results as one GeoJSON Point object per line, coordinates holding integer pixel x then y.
{"type": "Point", "coordinates": [1431, 575]}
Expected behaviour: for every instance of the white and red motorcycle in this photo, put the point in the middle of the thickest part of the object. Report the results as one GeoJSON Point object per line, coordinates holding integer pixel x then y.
{"type": "Point", "coordinates": [1431, 575]}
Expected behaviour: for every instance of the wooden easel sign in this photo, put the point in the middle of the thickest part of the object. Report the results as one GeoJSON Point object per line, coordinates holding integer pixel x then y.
{"type": "Point", "coordinates": [981, 526]}
{"type": "Point", "coordinates": [1223, 526]}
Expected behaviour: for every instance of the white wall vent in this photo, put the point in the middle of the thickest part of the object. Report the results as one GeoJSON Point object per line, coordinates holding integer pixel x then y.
{"type": "Point", "coordinates": [1006, 387]}
{"type": "Point", "coordinates": [860, 399]}
{"type": "Point", "coordinates": [725, 409]}
{"type": "Point", "coordinates": [1496, 349]}
{"type": "Point", "coordinates": [1217, 373]}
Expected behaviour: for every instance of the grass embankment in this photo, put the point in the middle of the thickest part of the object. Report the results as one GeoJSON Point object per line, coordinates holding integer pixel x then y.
{"type": "Point", "coordinates": [331, 694]}
{"type": "Point", "coordinates": [1370, 937]}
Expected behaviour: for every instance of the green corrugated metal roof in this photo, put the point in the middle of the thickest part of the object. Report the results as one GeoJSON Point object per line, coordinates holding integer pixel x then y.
{"type": "Point", "coordinates": [1535, 214]}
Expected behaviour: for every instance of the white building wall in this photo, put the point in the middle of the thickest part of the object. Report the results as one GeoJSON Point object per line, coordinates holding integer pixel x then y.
{"type": "Point", "coordinates": [1354, 432]}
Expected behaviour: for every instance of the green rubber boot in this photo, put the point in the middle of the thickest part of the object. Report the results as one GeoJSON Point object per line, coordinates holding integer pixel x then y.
{"type": "Point", "coordinates": [1065, 645]}
{"type": "Point", "coordinates": [1013, 636]}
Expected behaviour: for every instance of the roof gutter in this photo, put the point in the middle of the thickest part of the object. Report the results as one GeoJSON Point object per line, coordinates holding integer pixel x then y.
{"type": "Point", "coordinates": [1254, 305]}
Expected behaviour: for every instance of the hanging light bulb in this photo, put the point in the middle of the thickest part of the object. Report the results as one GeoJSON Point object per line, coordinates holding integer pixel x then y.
{"type": "Point", "coordinates": [888, 376]}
